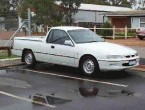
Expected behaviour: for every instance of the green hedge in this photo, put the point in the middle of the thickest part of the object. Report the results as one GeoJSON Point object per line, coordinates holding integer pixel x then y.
{"type": "Point", "coordinates": [105, 32]}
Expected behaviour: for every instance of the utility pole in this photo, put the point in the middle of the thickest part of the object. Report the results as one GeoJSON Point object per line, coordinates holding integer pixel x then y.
{"type": "Point", "coordinates": [29, 22]}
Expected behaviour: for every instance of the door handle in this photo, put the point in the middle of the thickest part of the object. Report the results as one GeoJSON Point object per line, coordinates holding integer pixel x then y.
{"type": "Point", "coordinates": [52, 47]}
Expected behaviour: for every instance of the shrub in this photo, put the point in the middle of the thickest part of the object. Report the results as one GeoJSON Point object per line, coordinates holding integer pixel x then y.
{"type": "Point", "coordinates": [106, 32]}
{"type": "Point", "coordinates": [129, 33]}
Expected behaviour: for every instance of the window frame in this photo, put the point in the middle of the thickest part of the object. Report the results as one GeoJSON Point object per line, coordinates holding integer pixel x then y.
{"type": "Point", "coordinates": [49, 37]}
{"type": "Point", "coordinates": [142, 22]}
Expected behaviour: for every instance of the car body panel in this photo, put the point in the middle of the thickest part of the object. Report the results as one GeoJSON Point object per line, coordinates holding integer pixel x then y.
{"type": "Point", "coordinates": [141, 33]}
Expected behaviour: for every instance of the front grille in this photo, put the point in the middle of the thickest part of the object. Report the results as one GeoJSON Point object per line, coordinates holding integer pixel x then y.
{"type": "Point", "coordinates": [125, 64]}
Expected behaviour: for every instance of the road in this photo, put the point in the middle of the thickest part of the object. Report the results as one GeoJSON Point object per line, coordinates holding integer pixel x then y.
{"type": "Point", "coordinates": [107, 90]}
{"type": "Point", "coordinates": [140, 50]}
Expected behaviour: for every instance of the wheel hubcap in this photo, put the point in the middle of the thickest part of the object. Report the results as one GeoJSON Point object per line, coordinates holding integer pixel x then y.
{"type": "Point", "coordinates": [28, 58]}
{"type": "Point", "coordinates": [88, 66]}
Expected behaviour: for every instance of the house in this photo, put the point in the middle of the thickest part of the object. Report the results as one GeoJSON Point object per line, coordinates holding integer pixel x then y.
{"type": "Point", "coordinates": [131, 19]}
{"type": "Point", "coordinates": [91, 13]}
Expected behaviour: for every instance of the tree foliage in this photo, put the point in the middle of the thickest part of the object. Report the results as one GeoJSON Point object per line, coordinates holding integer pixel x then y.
{"type": "Point", "coordinates": [123, 3]}
{"type": "Point", "coordinates": [7, 7]}
{"type": "Point", "coordinates": [8, 11]}
{"type": "Point", "coordinates": [72, 8]}
{"type": "Point", "coordinates": [46, 12]}
{"type": "Point", "coordinates": [138, 4]}
{"type": "Point", "coordinates": [98, 2]}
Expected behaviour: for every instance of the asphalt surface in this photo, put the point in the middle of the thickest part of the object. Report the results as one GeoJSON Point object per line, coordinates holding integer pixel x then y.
{"type": "Point", "coordinates": [140, 50]}
{"type": "Point", "coordinates": [67, 89]}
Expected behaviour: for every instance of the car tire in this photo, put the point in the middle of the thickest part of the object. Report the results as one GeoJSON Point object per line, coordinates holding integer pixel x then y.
{"type": "Point", "coordinates": [29, 58]}
{"type": "Point", "coordinates": [140, 37]}
{"type": "Point", "coordinates": [89, 66]}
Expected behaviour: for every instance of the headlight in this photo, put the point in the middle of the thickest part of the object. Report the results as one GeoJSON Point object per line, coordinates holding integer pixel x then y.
{"type": "Point", "coordinates": [114, 57]}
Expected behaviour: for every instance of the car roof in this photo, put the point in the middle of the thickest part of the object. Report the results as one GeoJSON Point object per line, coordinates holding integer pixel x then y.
{"type": "Point", "coordinates": [66, 28]}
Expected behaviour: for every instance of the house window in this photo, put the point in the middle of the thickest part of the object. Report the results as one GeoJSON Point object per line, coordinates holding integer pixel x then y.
{"type": "Point", "coordinates": [142, 22]}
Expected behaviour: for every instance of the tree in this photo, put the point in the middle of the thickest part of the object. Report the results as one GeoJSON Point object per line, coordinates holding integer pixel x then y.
{"type": "Point", "coordinates": [46, 11]}
{"type": "Point", "coordinates": [49, 13]}
{"type": "Point", "coordinates": [8, 11]}
{"type": "Point", "coordinates": [122, 3]}
{"type": "Point", "coordinates": [126, 3]}
{"type": "Point", "coordinates": [72, 8]}
{"type": "Point", "coordinates": [138, 4]}
{"type": "Point", "coordinates": [98, 2]}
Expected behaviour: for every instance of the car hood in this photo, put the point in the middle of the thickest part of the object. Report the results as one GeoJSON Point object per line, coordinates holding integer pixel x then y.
{"type": "Point", "coordinates": [108, 48]}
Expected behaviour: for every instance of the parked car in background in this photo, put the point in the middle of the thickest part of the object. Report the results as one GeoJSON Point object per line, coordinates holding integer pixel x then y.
{"type": "Point", "coordinates": [141, 33]}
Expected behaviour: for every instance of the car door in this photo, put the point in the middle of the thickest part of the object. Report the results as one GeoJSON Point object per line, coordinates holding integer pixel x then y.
{"type": "Point", "coordinates": [44, 50]}
{"type": "Point", "coordinates": [59, 52]}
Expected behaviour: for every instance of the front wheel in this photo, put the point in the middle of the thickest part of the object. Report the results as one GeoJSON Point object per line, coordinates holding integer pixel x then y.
{"type": "Point", "coordinates": [140, 37]}
{"type": "Point", "coordinates": [29, 58]}
{"type": "Point", "coordinates": [89, 66]}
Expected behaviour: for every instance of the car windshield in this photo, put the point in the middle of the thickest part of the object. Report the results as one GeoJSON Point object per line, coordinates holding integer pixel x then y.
{"type": "Point", "coordinates": [84, 36]}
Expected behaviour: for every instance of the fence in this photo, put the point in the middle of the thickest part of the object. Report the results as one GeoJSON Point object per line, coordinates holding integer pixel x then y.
{"type": "Point", "coordinates": [8, 27]}
{"type": "Point", "coordinates": [115, 33]}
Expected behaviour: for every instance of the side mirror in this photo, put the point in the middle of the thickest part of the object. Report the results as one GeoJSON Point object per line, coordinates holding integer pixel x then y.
{"type": "Point", "coordinates": [68, 42]}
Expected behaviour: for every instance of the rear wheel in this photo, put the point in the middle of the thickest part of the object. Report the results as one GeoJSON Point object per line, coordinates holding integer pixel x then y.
{"type": "Point", "coordinates": [89, 66]}
{"type": "Point", "coordinates": [29, 58]}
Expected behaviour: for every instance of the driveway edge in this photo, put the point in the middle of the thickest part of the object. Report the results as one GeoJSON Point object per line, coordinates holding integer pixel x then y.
{"type": "Point", "coordinates": [10, 62]}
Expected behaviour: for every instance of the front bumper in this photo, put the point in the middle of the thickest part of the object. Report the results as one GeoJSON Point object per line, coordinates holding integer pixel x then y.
{"type": "Point", "coordinates": [141, 35]}
{"type": "Point", "coordinates": [106, 65]}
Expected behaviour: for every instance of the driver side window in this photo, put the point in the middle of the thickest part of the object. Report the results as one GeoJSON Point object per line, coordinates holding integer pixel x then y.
{"type": "Point", "coordinates": [57, 37]}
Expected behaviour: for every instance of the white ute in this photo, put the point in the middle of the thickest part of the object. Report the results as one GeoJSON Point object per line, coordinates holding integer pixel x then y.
{"type": "Point", "coordinates": [76, 47]}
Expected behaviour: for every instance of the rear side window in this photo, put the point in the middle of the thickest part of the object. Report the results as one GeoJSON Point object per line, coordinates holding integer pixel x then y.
{"type": "Point", "coordinates": [57, 37]}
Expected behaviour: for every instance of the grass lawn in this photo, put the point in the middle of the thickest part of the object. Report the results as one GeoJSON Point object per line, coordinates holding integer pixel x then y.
{"type": "Point", "coordinates": [4, 55]}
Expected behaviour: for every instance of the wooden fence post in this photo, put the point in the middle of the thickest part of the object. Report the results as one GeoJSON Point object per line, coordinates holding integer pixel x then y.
{"type": "Point", "coordinates": [47, 28]}
{"type": "Point", "coordinates": [95, 28]}
{"type": "Point", "coordinates": [113, 32]}
{"type": "Point", "coordinates": [125, 32]}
